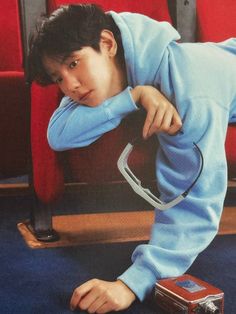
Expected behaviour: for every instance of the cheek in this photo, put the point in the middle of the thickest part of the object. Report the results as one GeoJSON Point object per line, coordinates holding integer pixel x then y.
{"type": "Point", "coordinates": [101, 71]}
{"type": "Point", "coordinates": [62, 89]}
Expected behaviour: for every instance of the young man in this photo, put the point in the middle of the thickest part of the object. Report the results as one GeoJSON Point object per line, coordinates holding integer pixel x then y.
{"type": "Point", "coordinates": [110, 64]}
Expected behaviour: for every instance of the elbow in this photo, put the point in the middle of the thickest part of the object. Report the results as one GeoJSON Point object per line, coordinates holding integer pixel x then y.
{"type": "Point", "coordinates": [55, 141]}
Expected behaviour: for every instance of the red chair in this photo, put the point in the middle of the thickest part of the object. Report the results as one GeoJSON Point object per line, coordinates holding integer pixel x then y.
{"type": "Point", "coordinates": [84, 164]}
{"type": "Point", "coordinates": [216, 22]}
{"type": "Point", "coordinates": [88, 164]}
{"type": "Point", "coordinates": [14, 95]}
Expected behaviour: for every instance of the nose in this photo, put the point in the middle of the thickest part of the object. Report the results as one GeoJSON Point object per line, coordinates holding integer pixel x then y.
{"type": "Point", "coordinates": [71, 84]}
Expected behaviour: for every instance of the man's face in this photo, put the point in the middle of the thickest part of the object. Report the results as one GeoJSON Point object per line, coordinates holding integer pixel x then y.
{"type": "Point", "coordinates": [86, 76]}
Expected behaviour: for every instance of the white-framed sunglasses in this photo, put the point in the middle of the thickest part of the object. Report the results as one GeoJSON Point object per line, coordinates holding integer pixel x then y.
{"type": "Point", "coordinates": [145, 193]}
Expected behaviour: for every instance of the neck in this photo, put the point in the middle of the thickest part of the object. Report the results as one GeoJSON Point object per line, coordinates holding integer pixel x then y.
{"type": "Point", "coordinates": [120, 76]}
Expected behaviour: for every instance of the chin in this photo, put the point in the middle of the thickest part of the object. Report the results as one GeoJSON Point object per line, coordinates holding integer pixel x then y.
{"type": "Point", "coordinates": [95, 103]}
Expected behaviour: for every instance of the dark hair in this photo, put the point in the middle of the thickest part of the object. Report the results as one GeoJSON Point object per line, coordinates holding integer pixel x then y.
{"type": "Point", "coordinates": [67, 29]}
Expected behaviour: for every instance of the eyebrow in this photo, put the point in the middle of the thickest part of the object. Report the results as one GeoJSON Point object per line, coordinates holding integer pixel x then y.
{"type": "Point", "coordinates": [60, 60]}
{"type": "Point", "coordinates": [65, 57]}
{"type": "Point", "coordinates": [52, 75]}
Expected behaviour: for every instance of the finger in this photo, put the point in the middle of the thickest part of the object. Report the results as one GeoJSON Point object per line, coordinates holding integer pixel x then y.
{"type": "Point", "coordinates": [157, 122]}
{"type": "Point", "coordinates": [176, 124]}
{"type": "Point", "coordinates": [98, 303]}
{"type": "Point", "coordinates": [148, 122]}
{"type": "Point", "coordinates": [79, 293]}
{"type": "Point", "coordinates": [106, 308]}
{"type": "Point", "coordinates": [88, 300]}
{"type": "Point", "coordinates": [166, 122]}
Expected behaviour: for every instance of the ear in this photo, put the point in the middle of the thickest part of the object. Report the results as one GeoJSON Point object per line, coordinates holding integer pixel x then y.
{"type": "Point", "coordinates": [108, 42]}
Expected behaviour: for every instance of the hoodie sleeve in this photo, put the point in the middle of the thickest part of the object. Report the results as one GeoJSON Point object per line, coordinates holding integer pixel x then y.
{"type": "Point", "coordinates": [73, 125]}
{"type": "Point", "coordinates": [180, 233]}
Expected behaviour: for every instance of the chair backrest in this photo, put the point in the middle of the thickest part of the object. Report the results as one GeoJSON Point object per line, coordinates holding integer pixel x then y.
{"type": "Point", "coordinates": [10, 36]}
{"type": "Point", "coordinates": [30, 11]}
{"type": "Point", "coordinates": [157, 9]}
{"type": "Point", "coordinates": [216, 20]}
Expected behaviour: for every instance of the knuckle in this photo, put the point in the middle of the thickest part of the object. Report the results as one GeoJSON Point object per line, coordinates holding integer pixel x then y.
{"type": "Point", "coordinates": [115, 304]}
{"type": "Point", "coordinates": [102, 289]}
{"type": "Point", "coordinates": [95, 281]}
{"type": "Point", "coordinates": [107, 293]}
{"type": "Point", "coordinates": [155, 125]}
{"type": "Point", "coordinates": [83, 306]}
{"type": "Point", "coordinates": [164, 127]}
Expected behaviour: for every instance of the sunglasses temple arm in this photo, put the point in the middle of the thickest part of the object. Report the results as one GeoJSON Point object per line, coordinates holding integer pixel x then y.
{"type": "Point", "coordinates": [185, 193]}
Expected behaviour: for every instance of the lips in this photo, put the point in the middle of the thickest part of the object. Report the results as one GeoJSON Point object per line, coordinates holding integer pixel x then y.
{"type": "Point", "coordinates": [84, 96]}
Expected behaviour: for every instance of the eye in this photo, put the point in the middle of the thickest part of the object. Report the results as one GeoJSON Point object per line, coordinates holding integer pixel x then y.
{"type": "Point", "coordinates": [57, 80]}
{"type": "Point", "coordinates": [73, 64]}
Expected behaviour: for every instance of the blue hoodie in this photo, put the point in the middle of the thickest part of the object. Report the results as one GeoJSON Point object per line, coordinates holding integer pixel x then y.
{"type": "Point", "coordinates": [200, 79]}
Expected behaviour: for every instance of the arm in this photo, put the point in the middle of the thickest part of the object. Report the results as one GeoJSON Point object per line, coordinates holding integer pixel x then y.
{"type": "Point", "coordinates": [74, 125]}
{"type": "Point", "coordinates": [182, 232]}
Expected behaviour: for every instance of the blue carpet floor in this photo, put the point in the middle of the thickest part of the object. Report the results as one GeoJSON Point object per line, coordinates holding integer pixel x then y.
{"type": "Point", "coordinates": [41, 281]}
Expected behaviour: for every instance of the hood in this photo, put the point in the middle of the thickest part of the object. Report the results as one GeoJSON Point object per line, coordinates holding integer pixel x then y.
{"type": "Point", "coordinates": [144, 41]}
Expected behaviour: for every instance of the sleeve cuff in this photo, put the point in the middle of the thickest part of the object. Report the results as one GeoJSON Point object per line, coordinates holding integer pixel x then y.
{"type": "Point", "coordinates": [140, 280]}
{"type": "Point", "coordinates": [120, 105]}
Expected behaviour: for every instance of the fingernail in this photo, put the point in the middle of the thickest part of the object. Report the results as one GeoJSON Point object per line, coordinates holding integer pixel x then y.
{"type": "Point", "coordinates": [72, 308]}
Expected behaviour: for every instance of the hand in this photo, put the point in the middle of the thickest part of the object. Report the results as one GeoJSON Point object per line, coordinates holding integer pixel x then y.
{"type": "Point", "coordinates": [161, 114]}
{"type": "Point", "coordinates": [98, 296]}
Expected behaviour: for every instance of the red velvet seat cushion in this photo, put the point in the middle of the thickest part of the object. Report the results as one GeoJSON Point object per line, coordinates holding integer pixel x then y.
{"type": "Point", "coordinates": [96, 163]}
{"type": "Point", "coordinates": [216, 22]}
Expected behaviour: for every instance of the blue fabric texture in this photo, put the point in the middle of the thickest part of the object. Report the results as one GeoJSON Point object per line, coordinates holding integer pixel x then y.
{"type": "Point", "coordinates": [199, 78]}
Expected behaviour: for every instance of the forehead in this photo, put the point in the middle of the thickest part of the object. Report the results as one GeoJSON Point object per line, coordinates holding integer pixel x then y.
{"type": "Point", "coordinates": [56, 62]}
{"type": "Point", "coordinates": [48, 60]}
{"type": "Point", "coordinates": [51, 65]}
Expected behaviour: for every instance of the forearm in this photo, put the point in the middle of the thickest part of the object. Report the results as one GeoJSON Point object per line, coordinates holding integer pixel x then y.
{"type": "Point", "coordinates": [73, 125]}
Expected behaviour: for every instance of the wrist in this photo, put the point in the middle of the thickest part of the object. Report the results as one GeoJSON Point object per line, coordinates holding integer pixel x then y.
{"type": "Point", "coordinates": [123, 285]}
{"type": "Point", "coordinates": [136, 95]}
